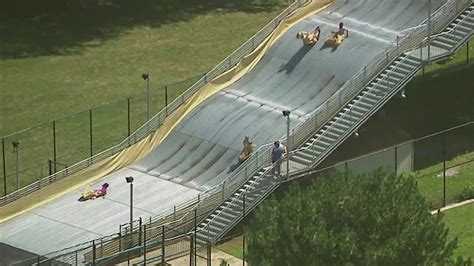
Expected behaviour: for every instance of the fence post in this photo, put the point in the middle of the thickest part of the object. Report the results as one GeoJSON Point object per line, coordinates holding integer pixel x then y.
{"type": "Point", "coordinates": [163, 245]}
{"type": "Point", "coordinates": [4, 169]}
{"type": "Point", "coordinates": [140, 231]}
{"type": "Point", "coordinates": [90, 130]}
{"type": "Point", "coordinates": [243, 236]}
{"type": "Point", "coordinates": [93, 252]}
{"type": "Point", "coordinates": [208, 254]}
{"type": "Point", "coordinates": [396, 160]}
{"type": "Point", "coordinates": [16, 150]}
{"type": "Point", "coordinates": [50, 166]}
{"type": "Point", "coordinates": [144, 244]}
{"type": "Point", "coordinates": [243, 249]}
{"type": "Point", "coordinates": [166, 99]}
{"type": "Point", "coordinates": [223, 194]}
{"type": "Point", "coordinates": [120, 239]}
{"type": "Point", "coordinates": [128, 117]}
{"type": "Point", "coordinates": [39, 260]}
{"type": "Point", "coordinates": [191, 242]}
{"type": "Point", "coordinates": [195, 236]}
{"type": "Point", "coordinates": [444, 171]}
{"type": "Point", "coordinates": [55, 156]}
{"type": "Point", "coordinates": [467, 54]}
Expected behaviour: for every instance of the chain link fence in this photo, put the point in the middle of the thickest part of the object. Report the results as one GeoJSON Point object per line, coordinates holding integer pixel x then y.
{"type": "Point", "coordinates": [33, 153]}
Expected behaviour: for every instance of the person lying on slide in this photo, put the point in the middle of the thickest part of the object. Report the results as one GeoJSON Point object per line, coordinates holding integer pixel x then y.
{"type": "Point", "coordinates": [338, 36]}
{"type": "Point", "coordinates": [96, 193]}
{"type": "Point", "coordinates": [309, 38]}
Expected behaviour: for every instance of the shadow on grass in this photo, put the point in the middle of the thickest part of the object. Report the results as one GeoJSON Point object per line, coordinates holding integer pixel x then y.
{"type": "Point", "coordinates": [31, 28]}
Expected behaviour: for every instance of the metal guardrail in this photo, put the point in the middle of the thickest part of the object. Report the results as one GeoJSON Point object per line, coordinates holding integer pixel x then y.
{"type": "Point", "coordinates": [154, 123]}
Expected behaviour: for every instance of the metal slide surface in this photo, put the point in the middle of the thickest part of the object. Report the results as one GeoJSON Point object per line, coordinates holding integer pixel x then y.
{"type": "Point", "coordinates": [201, 149]}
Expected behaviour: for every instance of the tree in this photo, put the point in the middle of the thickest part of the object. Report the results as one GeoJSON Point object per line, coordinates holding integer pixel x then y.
{"type": "Point", "coordinates": [372, 219]}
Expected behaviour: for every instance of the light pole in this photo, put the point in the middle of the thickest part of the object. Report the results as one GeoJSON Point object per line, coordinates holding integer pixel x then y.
{"type": "Point", "coordinates": [16, 150]}
{"type": "Point", "coordinates": [146, 77]}
{"type": "Point", "coordinates": [286, 113]}
{"type": "Point", "coordinates": [130, 181]}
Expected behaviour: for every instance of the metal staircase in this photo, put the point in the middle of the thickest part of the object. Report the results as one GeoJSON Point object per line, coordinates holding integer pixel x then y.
{"type": "Point", "coordinates": [454, 34]}
{"type": "Point", "coordinates": [349, 118]}
{"type": "Point", "coordinates": [369, 100]}
{"type": "Point", "coordinates": [234, 209]}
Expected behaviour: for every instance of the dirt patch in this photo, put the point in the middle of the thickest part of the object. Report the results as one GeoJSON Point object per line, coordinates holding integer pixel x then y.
{"type": "Point", "coordinates": [449, 172]}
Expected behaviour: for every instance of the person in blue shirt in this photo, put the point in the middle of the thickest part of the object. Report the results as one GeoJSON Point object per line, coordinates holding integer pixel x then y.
{"type": "Point", "coordinates": [277, 157]}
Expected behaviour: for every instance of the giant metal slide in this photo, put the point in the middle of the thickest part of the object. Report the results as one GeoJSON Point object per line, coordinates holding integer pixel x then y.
{"type": "Point", "coordinates": [329, 90]}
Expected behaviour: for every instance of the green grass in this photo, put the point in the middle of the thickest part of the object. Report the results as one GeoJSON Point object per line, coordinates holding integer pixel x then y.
{"type": "Point", "coordinates": [63, 57]}
{"type": "Point", "coordinates": [430, 180]}
{"type": "Point", "coordinates": [233, 247]}
{"type": "Point", "coordinates": [57, 62]}
{"type": "Point", "coordinates": [460, 222]}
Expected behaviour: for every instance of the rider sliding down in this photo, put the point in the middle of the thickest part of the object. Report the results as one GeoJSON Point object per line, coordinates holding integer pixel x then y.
{"type": "Point", "coordinates": [338, 36]}
{"type": "Point", "coordinates": [96, 193]}
{"type": "Point", "coordinates": [309, 38]}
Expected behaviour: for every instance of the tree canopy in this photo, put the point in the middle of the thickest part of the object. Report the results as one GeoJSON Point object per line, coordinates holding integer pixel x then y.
{"type": "Point", "coordinates": [372, 219]}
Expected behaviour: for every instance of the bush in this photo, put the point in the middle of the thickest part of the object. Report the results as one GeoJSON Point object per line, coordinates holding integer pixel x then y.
{"type": "Point", "coordinates": [467, 193]}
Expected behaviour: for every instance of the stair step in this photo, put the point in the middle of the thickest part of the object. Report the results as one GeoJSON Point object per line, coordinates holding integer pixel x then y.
{"type": "Point", "coordinates": [215, 228]}
{"type": "Point", "coordinates": [346, 120]}
{"type": "Point", "coordinates": [306, 154]}
{"type": "Point", "coordinates": [340, 126]}
{"type": "Point", "coordinates": [384, 84]}
{"type": "Point", "coordinates": [410, 61]}
{"type": "Point", "coordinates": [405, 66]}
{"type": "Point", "coordinates": [312, 152]}
{"type": "Point", "coordinates": [378, 89]}
{"type": "Point", "coordinates": [459, 27]}
{"type": "Point", "coordinates": [358, 108]}
{"type": "Point", "coordinates": [323, 143]}
{"type": "Point", "coordinates": [252, 185]}
{"type": "Point", "coordinates": [323, 137]}
{"type": "Point", "coordinates": [461, 20]}
{"type": "Point", "coordinates": [403, 71]}
{"type": "Point", "coordinates": [372, 96]}
{"type": "Point", "coordinates": [353, 112]}
{"type": "Point", "coordinates": [221, 217]}
{"type": "Point", "coordinates": [368, 101]}
{"type": "Point", "coordinates": [225, 209]}
{"type": "Point", "coordinates": [332, 125]}
{"type": "Point", "coordinates": [216, 221]}
{"type": "Point", "coordinates": [228, 215]}
{"type": "Point", "coordinates": [362, 104]}
{"type": "Point", "coordinates": [232, 202]}
{"type": "Point", "coordinates": [446, 40]}
{"type": "Point", "coordinates": [314, 145]}
{"type": "Point", "coordinates": [297, 158]}
{"type": "Point", "coordinates": [442, 45]}
{"type": "Point", "coordinates": [393, 73]}
{"type": "Point", "coordinates": [334, 134]}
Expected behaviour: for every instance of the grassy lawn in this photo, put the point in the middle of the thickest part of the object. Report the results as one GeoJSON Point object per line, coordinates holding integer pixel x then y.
{"type": "Point", "coordinates": [54, 61]}
{"type": "Point", "coordinates": [63, 57]}
{"type": "Point", "coordinates": [458, 178]}
{"type": "Point", "coordinates": [460, 222]}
